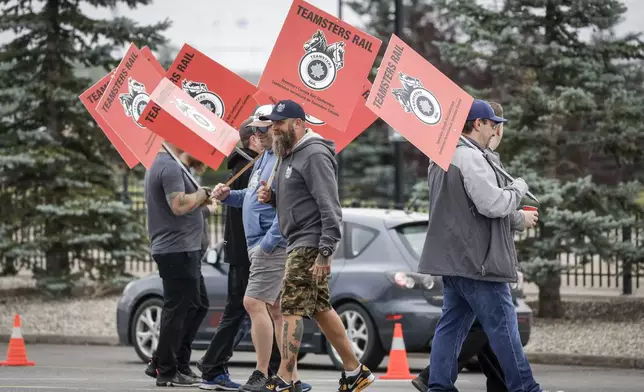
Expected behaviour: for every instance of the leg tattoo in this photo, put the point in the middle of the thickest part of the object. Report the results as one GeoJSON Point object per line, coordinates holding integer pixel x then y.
{"type": "Point", "coordinates": [294, 345]}
{"type": "Point", "coordinates": [284, 352]}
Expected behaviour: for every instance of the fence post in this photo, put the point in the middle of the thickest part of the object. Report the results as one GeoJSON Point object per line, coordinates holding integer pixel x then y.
{"type": "Point", "coordinates": [627, 266]}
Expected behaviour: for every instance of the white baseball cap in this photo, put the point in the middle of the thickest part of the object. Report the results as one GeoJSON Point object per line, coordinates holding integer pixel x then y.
{"type": "Point", "coordinates": [263, 110]}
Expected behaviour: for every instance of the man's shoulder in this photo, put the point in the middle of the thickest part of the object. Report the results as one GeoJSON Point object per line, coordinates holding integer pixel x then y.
{"type": "Point", "coordinates": [316, 153]}
{"type": "Point", "coordinates": [465, 156]}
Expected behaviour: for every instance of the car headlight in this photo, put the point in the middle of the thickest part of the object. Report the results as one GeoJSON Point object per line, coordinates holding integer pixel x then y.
{"type": "Point", "coordinates": [411, 280]}
{"type": "Point", "coordinates": [518, 285]}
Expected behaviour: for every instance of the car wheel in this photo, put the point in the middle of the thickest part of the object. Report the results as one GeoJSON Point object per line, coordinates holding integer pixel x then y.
{"type": "Point", "coordinates": [362, 334]}
{"type": "Point", "coordinates": [144, 328]}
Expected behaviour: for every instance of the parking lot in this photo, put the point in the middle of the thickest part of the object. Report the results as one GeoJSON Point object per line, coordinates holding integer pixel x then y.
{"type": "Point", "coordinates": [100, 368]}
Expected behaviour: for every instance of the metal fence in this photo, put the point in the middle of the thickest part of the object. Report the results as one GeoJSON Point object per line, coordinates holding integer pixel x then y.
{"type": "Point", "coordinates": [593, 272]}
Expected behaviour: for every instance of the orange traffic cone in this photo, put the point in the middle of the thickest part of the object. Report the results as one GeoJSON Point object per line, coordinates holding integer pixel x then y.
{"type": "Point", "coordinates": [17, 353]}
{"type": "Point", "coordinates": [398, 367]}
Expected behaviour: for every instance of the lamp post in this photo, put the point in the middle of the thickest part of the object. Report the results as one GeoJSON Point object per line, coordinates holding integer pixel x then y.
{"type": "Point", "coordinates": [394, 137]}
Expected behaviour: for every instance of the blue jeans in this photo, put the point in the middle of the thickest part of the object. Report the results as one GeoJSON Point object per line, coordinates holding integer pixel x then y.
{"type": "Point", "coordinates": [491, 303]}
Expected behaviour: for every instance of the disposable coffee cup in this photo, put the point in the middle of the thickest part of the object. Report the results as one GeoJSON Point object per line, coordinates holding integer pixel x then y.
{"type": "Point", "coordinates": [530, 208]}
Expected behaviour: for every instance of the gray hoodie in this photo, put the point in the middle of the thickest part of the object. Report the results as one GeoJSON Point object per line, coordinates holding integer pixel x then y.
{"type": "Point", "coordinates": [469, 231]}
{"type": "Point", "coordinates": [306, 194]}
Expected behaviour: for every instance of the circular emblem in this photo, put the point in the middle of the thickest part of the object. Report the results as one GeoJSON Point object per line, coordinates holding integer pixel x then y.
{"type": "Point", "coordinates": [317, 70]}
{"type": "Point", "coordinates": [425, 106]}
{"type": "Point", "coordinates": [202, 121]}
{"type": "Point", "coordinates": [139, 102]}
{"type": "Point", "coordinates": [313, 121]}
{"type": "Point", "coordinates": [212, 102]}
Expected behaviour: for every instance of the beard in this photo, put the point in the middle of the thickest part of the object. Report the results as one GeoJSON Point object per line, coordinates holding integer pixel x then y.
{"type": "Point", "coordinates": [283, 141]}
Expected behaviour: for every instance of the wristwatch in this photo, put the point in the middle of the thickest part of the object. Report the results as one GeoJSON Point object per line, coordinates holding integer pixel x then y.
{"type": "Point", "coordinates": [208, 191]}
{"type": "Point", "coordinates": [326, 252]}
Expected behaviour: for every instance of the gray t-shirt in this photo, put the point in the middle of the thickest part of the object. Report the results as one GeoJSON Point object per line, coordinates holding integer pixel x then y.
{"type": "Point", "coordinates": [168, 232]}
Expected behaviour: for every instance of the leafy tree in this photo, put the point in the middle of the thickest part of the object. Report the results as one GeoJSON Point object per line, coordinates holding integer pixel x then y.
{"type": "Point", "coordinates": [58, 171]}
{"type": "Point", "coordinates": [576, 127]}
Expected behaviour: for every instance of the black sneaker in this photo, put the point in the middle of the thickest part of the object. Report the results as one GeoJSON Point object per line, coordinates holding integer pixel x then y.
{"type": "Point", "coordinates": [275, 384]}
{"type": "Point", "coordinates": [422, 381]}
{"type": "Point", "coordinates": [356, 383]}
{"type": "Point", "coordinates": [256, 380]}
{"type": "Point", "coordinates": [188, 372]}
{"type": "Point", "coordinates": [200, 365]}
{"type": "Point", "coordinates": [151, 370]}
{"type": "Point", "coordinates": [178, 380]}
{"type": "Point", "coordinates": [300, 386]}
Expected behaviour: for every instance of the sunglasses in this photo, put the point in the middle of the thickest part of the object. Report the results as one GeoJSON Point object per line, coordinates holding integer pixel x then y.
{"type": "Point", "coordinates": [260, 129]}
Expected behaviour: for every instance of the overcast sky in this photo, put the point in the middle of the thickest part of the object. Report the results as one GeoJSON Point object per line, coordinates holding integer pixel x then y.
{"type": "Point", "coordinates": [240, 34]}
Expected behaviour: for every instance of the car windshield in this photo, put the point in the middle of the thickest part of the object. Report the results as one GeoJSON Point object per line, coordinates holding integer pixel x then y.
{"type": "Point", "coordinates": [413, 236]}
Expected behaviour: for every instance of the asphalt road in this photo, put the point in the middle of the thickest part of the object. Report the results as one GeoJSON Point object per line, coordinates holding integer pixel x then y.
{"type": "Point", "coordinates": [98, 368]}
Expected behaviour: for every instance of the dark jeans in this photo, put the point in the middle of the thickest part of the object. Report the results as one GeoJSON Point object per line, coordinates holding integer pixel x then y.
{"type": "Point", "coordinates": [476, 343]}
{"type": "Point", "coordinates": [194, 318]}
{"type": "Point", "coordinates": [490, 303]}
{"type": "Point", "coordinates": [181, 292]}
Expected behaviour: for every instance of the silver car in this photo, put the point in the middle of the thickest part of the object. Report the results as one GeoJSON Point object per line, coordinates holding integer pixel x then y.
{"type": "Point", "coordinates": [373, 286]}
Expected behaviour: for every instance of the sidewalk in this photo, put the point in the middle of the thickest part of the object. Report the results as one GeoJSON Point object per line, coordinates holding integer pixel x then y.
{"type": "Point", "coordinates": [570, 292]}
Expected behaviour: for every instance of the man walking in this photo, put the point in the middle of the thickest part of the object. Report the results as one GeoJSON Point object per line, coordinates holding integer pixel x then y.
{"type": "Point", "coordinates": [213, 365]}
{"type": "Point", "coordinates": [477, 342]}
{"type": "Point", "coordinates": [175, 227]}
{"type": "Point", "coordinates": [309, 216]}
{"type": "Point", "coordinates": [198, 309]}
{"type": "Point", "coordinates": [469, 243]}
{"type": "Point", "coordinates": [267, 252]}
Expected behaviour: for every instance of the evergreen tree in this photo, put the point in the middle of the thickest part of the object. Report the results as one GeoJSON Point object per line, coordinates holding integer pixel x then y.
{"type": "Point", "coordinates": [58, 171]}
{"type": "Point", "coordinates": [576, 126]}
{"type": "Point", "coordinates": [368, 162]}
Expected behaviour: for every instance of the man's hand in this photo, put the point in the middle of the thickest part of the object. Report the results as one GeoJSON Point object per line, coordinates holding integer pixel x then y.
{"type": "Point", "coordinates": [321, 267]}
{"type": "Point", "coordinates": [212, 206]}
{"type": "Point", "coordinates": [520, 184]}
{"type": "Point", "coordinates": [264, 193]}
{"type": "Point", "coordinates": [221, 192]}
{"type": "Point", "coordinates": [207, 192]}
{"type": "Point", "coordinates": [530, 218]}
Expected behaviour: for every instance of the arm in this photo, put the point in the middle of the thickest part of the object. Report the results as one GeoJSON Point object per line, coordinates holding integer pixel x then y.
{"type": "Point", "coordinates": [517, 221]}
{"type": "Point", "coordinates": [272, 237]}
{"type": "Point", "coordinates": [319, 175]}
{"type": "Point", "coordinates": [180, 203]}
{"type": "Point", "coordinates": [480, 184]}
{"type": "Point", "coordinates": [235, 198]}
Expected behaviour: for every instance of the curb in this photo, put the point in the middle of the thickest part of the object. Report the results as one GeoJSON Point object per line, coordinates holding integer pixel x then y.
{"type": "Point", "coordinates": [586, 360]}
{"type": "Point", "coordinates": [66, 339]}
{"type": "Point", "coordinates": [535, 358]}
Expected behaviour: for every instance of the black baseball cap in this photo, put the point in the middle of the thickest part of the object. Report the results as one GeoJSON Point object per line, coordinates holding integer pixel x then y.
{"type": "Point", "coordinates": [285, 109]}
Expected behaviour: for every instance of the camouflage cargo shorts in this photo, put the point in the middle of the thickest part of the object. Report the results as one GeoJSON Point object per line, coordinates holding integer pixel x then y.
{"type": "Point", "coordinates": [302, 295]}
